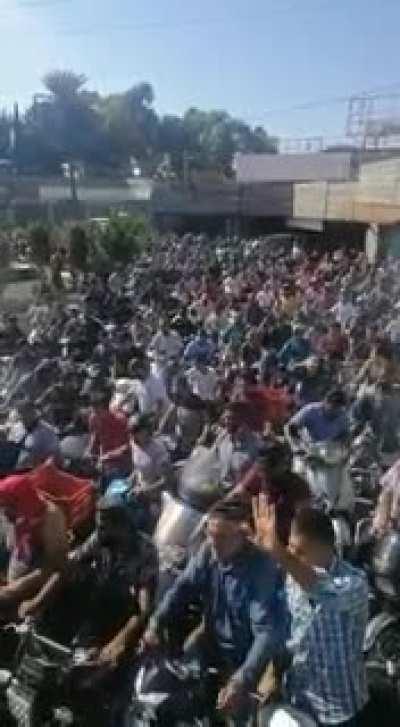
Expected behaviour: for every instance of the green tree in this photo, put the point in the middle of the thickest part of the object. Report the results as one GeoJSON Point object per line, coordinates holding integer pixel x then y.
{"type": "Point", "coordinates": [5, 128]}
{"type": "Point", "coordinates": [39, 241]}
{"type": "Point", "coordinates": [68, 123]}
{"type": "Point", "coordinates": [78, 248]}
{"type": "Point", "coordinates": [63, 124]}
{"type": "Point", "coordinates": [124, 238]}
{"type": "Point", "coordinates": [131, 125]}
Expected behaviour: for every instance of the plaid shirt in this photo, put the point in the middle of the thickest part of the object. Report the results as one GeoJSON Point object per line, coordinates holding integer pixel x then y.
{"type": "Point", "coordinates": [327, 677]}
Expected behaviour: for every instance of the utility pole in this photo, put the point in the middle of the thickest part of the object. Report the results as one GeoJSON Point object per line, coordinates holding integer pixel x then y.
{"type": "Point", "coordinates": [14, 138]}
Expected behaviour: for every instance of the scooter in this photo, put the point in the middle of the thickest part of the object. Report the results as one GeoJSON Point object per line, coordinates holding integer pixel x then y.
{"type": "Point", "coordinates": [324, 466]}
{"type": "Point", "coordinates": [179, 529]}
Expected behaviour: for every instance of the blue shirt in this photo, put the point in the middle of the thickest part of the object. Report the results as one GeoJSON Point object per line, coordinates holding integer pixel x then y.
{"type": "Point", "coordinates": [327, 677]}
{"type": "Point", "coordinates": [242, 606]}
{"type": "Point", "coordinates": [199, 347]}
{"type": "Point", "coordinates": [320, 426]}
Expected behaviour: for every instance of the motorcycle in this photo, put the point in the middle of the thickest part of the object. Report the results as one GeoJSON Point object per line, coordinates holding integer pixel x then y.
{"type": "Point", "coordinates": [169, 693]}
{"type": "Point", "coordinates": [382, 640]}
{"type": "Point", "coordinates": [48, 685]}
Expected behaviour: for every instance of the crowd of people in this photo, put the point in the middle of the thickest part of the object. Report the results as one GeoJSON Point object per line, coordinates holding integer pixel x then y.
{"type": "Point", "coordinates": [240, 355]}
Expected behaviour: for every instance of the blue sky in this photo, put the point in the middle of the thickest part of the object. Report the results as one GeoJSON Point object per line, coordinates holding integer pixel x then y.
{"type": "Point", "coordinates": [257, 58]}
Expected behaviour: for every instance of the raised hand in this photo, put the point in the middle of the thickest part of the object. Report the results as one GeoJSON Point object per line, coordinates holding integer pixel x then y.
{"type": "Point", "coordinates": [265, 523]}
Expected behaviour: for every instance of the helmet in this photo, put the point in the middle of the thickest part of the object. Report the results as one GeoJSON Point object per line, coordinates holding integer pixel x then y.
{"type": "Point", "coordinates": [386, 566]}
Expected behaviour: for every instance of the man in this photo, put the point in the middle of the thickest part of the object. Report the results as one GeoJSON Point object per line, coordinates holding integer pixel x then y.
{"type": "Point", "coordinates": [201, 346]}
{"type": "Point", "coordinates": [328, 603]}
{"type": "Point", "coordinates": [109, 437]}
{"type": "Point", "coordinates": [344, 310]}
{"type": "Point", "coordinates": [296, 348]}
{"type": "Point", "coordinates": [324, 421]}
{"type": "Point", "coordinates": [335, 344]}
{"type": "Point", "coordinates": [313, 380]}
{"type": "Point", "coordinates": [41, 440]}
{"type": "Point", "coordinates": [185, 417]}
{"type": "Point", "coordinates": [271, 474]}
{"type": "Point", "coordinates": [166, 343]}
{"type": "Point", "coordinates": [379, 407]}
{"type": "Point", "coordinates": [106, 593]}
{"type": "Point", "coordinates": [240, 601]}
{"type": "Point", "coordinates": [147, 390]}
{"type": "Point", "coordinates": [236, 446]}
{"type": "Point", "coordinates": [202, 379]}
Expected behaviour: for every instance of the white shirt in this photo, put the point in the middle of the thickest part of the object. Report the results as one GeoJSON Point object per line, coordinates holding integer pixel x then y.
{"type": "Point", "coordinates": [149, 461]}
{"type": "Point", "coordinates": [263, 298]}
{"type": "Point", "coordinates": [393, 329]}
{"type": "Point", "coordinates": [343, 312]}
{"type": "Point", "coordinates": [203, 383]}
{"type": "Point", "coordinates": [149, 394]}
{"type": "Point", "coordinates": [166, 346]}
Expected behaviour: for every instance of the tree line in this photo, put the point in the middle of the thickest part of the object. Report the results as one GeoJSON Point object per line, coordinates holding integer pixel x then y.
{"type": "Point", "coordinates": [110, 134]}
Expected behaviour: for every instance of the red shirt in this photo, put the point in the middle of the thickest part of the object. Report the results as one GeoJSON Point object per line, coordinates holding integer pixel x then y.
{"type": "Point", "coordinates": [110, 432]}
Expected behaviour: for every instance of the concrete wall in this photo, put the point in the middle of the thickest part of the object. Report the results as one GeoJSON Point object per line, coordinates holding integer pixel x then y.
{"type": "Point", "coordinates": [375, 197]}
{"type": "Point", "coordinates": [135, 190]}
{"type": "Point", "coordinates": [251, 168]}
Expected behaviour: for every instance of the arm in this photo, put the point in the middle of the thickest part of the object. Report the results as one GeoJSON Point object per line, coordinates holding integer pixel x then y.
{"type": "Point", "coordinates": [42, 599]}
{"type": "Point", "coordinates": [293, 427]}
{"type": "Point", "coordinates": [265, 520]}
{"type": "Point", "coordinates": [52, 582]}
{"type": "Point", "coordinates": [339, 593]}
{"type": "Point", "coordinates": [115, 453]}
{"type": "Point", "coordinates": [267, 617]}
{"type": "Point", "coordinates": [23, 588]}
{"type": "Point", "coordinates": [187, 586]}
{"type": "Point", "coordinates": [188, 352]}
{"type": "Point", "coordinates": [383, 513]}
{"type": "Point", "coordinates": [127, 639]}
{"type": "Point", "coordinates": [55, 538]}
{"type": "Point", "coordinates": [168, 420]}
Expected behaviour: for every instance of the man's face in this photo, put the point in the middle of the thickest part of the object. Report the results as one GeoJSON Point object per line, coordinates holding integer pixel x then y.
{"type": "Point", "coordinates": [226, 536]}
{"type": "Point", "coordinates": [230, 422]}
{"type": "Point", "coordinates": [109, 526]}
{"type": "Point", "coordinates": [331, 410]}
{"type": "Point", "coordinates": [306, 550]}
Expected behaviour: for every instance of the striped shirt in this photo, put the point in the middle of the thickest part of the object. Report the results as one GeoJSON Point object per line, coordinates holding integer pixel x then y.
{"type": "Point", "coordinates": [327, 677]}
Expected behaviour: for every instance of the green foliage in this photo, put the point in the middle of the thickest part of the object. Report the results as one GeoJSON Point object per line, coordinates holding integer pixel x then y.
{"type": "Point", "coordinates": [39, 241]}
{"type": "Point", "coordinates": [79, 248]}
{"type": "Point", "coordinates": [124, 238]}
{"type": "Point", "coordinates": [5, 253]}
{"type": "Point", "coordinates": [69, 123]}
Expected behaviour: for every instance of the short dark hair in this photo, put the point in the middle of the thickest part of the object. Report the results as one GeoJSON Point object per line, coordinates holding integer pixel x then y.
{"type": "Point", "coordinates": [336, 397]}
{"type": "Point", "coordinates": [233, 509]}
{"type": "Point", "coordinates": [315, 525]}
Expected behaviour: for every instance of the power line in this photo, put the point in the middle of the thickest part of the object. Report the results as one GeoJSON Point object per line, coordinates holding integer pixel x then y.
{"type": "Point", "coordinates": [320, 103]}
